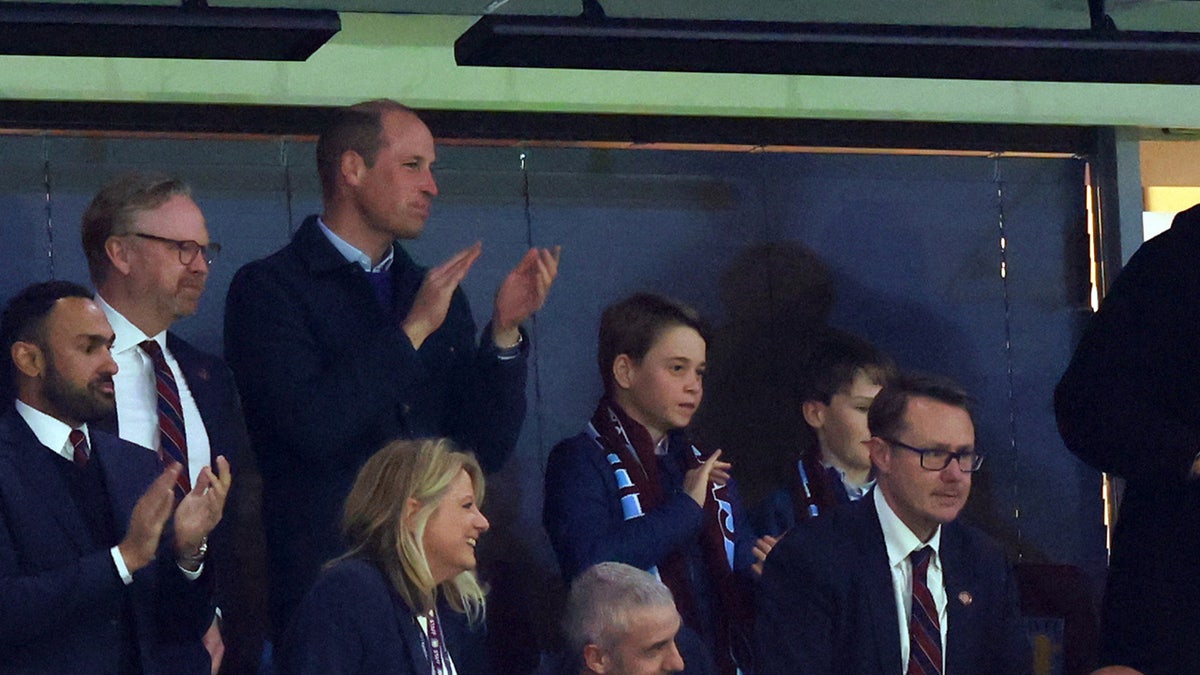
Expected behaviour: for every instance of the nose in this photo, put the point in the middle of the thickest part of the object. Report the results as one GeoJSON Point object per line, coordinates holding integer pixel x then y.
{"type": "Point", "coordinates": [481, 521]}
{"type": "Point", "coordinates": [673, 663]}
{"type": "Point", "coordinates": [199, 263]}
{"type": "Point", "coordinates": [430, 186]}
{"type": "Point", "coordinates": [109, 367]}
{"type": "Point", "coordinates": [953, 472]}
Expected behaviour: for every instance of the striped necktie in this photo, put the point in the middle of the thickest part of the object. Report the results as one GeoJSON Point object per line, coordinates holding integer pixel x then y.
{"type": "Point", "coordinates": [172, 439]}
{"type": "Point", "coordinates": [82, 451]}
{"type": "Point", "coordinates": [924, 632]}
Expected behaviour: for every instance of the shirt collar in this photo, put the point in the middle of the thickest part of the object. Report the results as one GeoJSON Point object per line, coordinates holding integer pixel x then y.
{"type": "Point", "coordinates": [353, 254]}
{"type": "Point", "coordinates": [899, 539]}
{"type": "Point", "coordinates": [50, 431]}
{"type": "Point", "coordinates": [854, 490]}
{"type": "Point", "coordinates": [128, 336]}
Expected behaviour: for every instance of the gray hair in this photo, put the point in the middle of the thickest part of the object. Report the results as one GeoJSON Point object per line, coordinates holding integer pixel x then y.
{"type": "Point", "coordinates": [601, 600]}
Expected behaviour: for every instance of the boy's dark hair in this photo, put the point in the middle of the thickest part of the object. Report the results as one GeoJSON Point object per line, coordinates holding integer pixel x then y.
{"type": "Point", "coordinates": [836, 357]}
{"type": "Point", "coordinates": [358, 127]}
{"type": "Point", "coordinates": [885, 419]}
{"type": "Point", "coordinates": [632, 325]}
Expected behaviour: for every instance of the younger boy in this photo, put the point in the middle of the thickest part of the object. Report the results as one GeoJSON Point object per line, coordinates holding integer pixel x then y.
{"type": "Point", "coordinates": [843, 376]}
{"type": "Point", "coordinates": [633, 489]}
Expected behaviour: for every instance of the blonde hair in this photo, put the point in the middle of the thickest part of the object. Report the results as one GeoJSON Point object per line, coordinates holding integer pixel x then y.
{"type": "Point", "coordinates": [374, 521]}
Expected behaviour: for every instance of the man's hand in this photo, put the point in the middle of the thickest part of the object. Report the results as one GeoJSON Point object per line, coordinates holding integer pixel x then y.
{"type": "Point", "coordinates": [433, 298]}
{"type": "Point", "coordinates": [150, 514]}
{"type": "Point", "coordinates": [695, 482]}
{"type": "Point", "coordinates": [761, 548]}
{"type": "Point", "coordinates": [214, 645]}
{"type": "Point", "coordinates": [201, 509]}
{"type": "Point", "coordinates": [523, 292]}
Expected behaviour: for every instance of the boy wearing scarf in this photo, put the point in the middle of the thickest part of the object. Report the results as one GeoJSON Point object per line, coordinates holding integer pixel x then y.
{"type": "Point", "coordinates": [633, 489]}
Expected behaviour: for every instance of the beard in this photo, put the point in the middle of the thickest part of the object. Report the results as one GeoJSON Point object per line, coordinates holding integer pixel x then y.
{"type": "Point", "coordinates": [86, 404]}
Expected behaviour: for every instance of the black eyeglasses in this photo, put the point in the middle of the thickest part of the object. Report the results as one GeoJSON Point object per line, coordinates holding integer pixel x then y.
{"type": "Point", "coordinates": [936, 460]}
{"type": "Point", "coordinates": [188, 249]}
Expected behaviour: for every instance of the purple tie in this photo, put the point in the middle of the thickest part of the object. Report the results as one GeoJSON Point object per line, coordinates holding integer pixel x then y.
{"type": "Point", "coordinates": [82, 452]}
{"type": "Point", "coordinates": [924, 632]}
{"type": "Point", "coordinates": [172, 440]}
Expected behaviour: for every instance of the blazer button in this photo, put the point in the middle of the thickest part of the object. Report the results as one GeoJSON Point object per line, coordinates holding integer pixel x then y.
{"type": "Point", "coordinates": [406, 408]}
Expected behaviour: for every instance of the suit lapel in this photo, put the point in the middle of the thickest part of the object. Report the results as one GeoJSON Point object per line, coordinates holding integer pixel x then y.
{"type": "Point", "coordinates": [198, 380]}
{"type": "Point", "coordinates": [128, 471]}
{"type": "Point", "coordinates": [877, 584]}
{"type": "Point", "coordinates": [960, 596]}
{"type": "Point", "coordinates": [34, 464]}
{"type": "Point", "coordinates": [410, 635]}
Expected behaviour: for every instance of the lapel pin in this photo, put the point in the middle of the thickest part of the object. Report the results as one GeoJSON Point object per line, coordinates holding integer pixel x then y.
{"type": "Point", "coordinates": [965, 598]}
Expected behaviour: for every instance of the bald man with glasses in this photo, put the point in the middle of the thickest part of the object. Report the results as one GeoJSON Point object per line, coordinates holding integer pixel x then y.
{"type": "Point", "coordinates": [892, 583]}
{"type": "Point", "coordinates": [149, 254]}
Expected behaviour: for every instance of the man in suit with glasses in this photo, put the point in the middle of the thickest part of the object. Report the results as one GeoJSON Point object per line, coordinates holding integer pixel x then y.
{"type": "Point", "coordinates": [892, 582]}
{"type": "Point", "coordinates": [149, 254]}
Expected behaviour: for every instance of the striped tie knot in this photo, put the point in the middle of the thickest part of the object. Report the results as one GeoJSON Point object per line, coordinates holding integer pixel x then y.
{"type": "Point", "coordinates": [79, 442]}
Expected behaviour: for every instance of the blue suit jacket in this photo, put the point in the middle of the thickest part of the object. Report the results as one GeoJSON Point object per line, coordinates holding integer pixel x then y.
{"type": "Point", "coordinates": [328, 377]}
{"type": "Point", "coordinates": [61, 592]}
{"type": "Point", "coordinates": [353, 621]}
{"type": "Point", "coordinates": [826, 603]}
{"type": "Point", "coordinates": [237, 556]}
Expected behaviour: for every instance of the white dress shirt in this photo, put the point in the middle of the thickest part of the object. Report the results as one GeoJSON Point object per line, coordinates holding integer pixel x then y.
{"type": "Point", "coordinates": [901, 542]}
{"type": "Point", "coordinates": [137, 393]}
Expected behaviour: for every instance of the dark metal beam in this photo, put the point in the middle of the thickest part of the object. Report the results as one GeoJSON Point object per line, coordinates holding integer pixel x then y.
{"type": "Point", "coordinates": [184, 32]}
{"type": "Point", "coordinates": [861, 50]}
{"type": "Point", "coordinates": [567, 128]}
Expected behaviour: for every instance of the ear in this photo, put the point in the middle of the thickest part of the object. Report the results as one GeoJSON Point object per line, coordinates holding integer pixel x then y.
{"type": "Point", "coordinates": [594, 659]}
{"type": "Point", "coordinates": [28, 358]}
{"type": "Point", "coordinates": [352, 167]}
{"type": "Point", "coordinates": [814, 413]}
{"type": "Point", "coordinates": [881, 454]}
{"type": "Point", "coordinates": [623, 367]}
{"type": "Point", "coordinates": [411, 506]}
{"type": "Point", "coordinates": [118, 251]}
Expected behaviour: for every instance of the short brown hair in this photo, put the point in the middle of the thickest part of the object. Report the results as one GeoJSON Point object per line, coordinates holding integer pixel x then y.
{"type": "Point", "coordinates": [837, 357]}
{"type": "Point", "coordinates": [358, 127]}
{"type": "Point", "coordinates": [631, 326]}
{"type": "Point", "coordinates": [112, 211]}
{"type": "Point", "coordinates": [375, 509]}
{"type": "Point", "coordinates": [886, 420]}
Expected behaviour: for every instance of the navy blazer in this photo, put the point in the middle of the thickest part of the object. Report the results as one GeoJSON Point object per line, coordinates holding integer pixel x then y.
{"type": "Point", "coordinates": [353, 621]}
{"type": "Point", "coordinates": [328, 377]}
{"type": "Point", "coordinates": [826, 603]}
{"type": "Point", "coordinates": [237, 556]}
{"type": "Point", "coordinates": [61, 592]}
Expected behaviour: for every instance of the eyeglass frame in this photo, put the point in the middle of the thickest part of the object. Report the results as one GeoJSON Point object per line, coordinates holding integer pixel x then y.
{"type": "Point", "coordinates": [976, 463]}
{"type": "Point", "coordinates": [211, 250]}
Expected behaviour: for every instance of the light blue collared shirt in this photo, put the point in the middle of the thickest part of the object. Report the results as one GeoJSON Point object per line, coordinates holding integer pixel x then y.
{"type": "Point", "coordinates": [353, 254]}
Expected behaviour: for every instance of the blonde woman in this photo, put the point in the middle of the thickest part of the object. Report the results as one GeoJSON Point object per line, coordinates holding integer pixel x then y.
{"type": "Point", "coordinates": [404, 598]}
